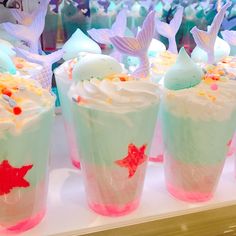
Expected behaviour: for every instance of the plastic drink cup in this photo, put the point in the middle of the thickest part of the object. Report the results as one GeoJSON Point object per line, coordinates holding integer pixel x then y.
{"type": "Point", "coordinates": [113, 149]}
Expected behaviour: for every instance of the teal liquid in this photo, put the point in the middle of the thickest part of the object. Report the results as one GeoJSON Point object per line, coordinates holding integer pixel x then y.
{"type": "Point", "coordinates": [24, 207]}
{"type": "Point", "coordinates": [104, 137]}
{"type": "Point", "coordinates": [196, 142]}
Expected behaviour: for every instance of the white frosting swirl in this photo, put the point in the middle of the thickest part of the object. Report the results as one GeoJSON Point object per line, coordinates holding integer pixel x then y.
{"type": "Point", "coordinates": [229, 64]}
{"type": "Point", "coordinates": [26, 95]}
{"type": "Point", "coordinates": [115, 96]}
{"type": "Point", "coordinates": [201, 102]}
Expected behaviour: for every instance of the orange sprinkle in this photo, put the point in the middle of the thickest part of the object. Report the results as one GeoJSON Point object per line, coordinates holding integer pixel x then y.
{"type": "Point", "coordinates": [19, 66]}
{"type": "Point", "coordinates": [109, 100]}
{"type": "Point", "coordinates": [208, 80]}
{"type": "Point", "coordinates": [80, 99]}
{"type": "Point", "coordinates": [122, 77]}
{"type": "Point", "coordinates": [212, 98]}
{"type": "Point", "coordinates": [201, 93]}
{"type": "Point", "coordinates": [7, 92]}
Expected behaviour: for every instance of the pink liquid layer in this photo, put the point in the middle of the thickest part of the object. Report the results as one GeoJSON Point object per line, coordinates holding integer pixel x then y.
{"type": "Point", "coordinates": [24, 225]}
{"type": "Point", "coordinates": [191, 182]}
{"type": "Point", "coordinates": [188, 196]}
{"type": "Point", "coordinates": [74, 155]}
{"type": "Point", "coordinates": [110, 191]}
{"type": "Point", "coordinates": [113, 210]}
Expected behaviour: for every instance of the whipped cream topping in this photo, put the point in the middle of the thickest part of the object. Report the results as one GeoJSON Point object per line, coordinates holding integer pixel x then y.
{"type": "Point", "coordinates": [229, 63]}
{"type": "Point", "coordinates": [214, 98]}
{"type": "Point", "coordinates": [25, 68]}
{"type": "Point", "coordinates": [161, 64]}
{"type": "Point", "coordinates": [22, 101]}
{"type": "Point", "coordinates": [119, 94]}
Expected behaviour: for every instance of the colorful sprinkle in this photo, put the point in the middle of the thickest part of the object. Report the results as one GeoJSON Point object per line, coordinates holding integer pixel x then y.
{"type": "Point", "coordinates": [208, 80]}
{"type": "Point", "coordinates": [19, 66]}
{"type": "Point", "coordinates": [79, 99]}
{"type": "Point", "coordinates": [22, 88]}
{"type": "Point", "coordinates": [12, 103]}
{"type": "Point", "coordinates": [121, 77]}
{"type": "Point", "coordinates": [109, 100]}
{"type": "Point", "coordinates": [17, 110]}
{"type": "Point", "coordinates": [201, 93]}
{"type": "Point", "coordinates": [212, 98]}
{"type": "Point", "coordinates": [6, 97]}
{"type": "Point", "coordinates": [7, 92]}
{"type": "Point", "coordinates": [214, 87]}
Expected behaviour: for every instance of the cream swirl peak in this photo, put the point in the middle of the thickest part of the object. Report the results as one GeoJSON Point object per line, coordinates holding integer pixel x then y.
{"type": "Point", "coordinates": [117, 93]}
{"type": "Point", "coordinates": [22, 101]}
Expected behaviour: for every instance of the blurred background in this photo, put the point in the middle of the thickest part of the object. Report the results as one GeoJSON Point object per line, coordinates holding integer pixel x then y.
{"type": "Point", "coordinates": [65, 16]}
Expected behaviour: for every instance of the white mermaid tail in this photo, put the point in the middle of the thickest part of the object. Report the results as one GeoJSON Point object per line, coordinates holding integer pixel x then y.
{"type": "Point", "coordinates": [138, 46]}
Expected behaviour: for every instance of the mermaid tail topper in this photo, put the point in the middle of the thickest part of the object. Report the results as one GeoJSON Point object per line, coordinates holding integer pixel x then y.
{"type": "Point", "coordinates": [170, 30]}
{"type": "Point", "coordinates": [229, 24]}
{"type": "Point", "coordinates": [229, 36]}
{"type": "Point", "coordinates": [45, 78]}
{"type": "Point", "coordinates": [32, 32]}
{"type": "Point", "coordinates": [118, 29]}
{"type": "Point", "coordinates": [138, 46]}
{"type": "Point", "coordinates": [206, 40]}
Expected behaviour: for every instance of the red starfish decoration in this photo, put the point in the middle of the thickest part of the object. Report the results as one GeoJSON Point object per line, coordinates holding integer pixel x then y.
{"type": "Point", "coordinates": [136, 156]}
{"type": "Point", "coordinates": [11, 177]}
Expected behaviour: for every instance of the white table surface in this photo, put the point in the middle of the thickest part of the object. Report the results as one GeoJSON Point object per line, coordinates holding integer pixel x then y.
{"type": "Point", "coordinates": [67, 210]}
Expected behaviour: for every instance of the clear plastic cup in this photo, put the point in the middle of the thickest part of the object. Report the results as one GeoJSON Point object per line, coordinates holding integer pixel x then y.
{"type": "Point", "coordinates": [191, 182]}
{"type": "Point", "coordinates": [63, 88]}
{"type": "Point", "coordinates": [24, 169]}
{"type": "Point", "coordinates": [157, 149]}
{"type": "Point", "coordinates": [195, 152]}
{"type": "Point", "coordinates": [114, 178]}
{"type": "Point", "coordinates": [232, 146]}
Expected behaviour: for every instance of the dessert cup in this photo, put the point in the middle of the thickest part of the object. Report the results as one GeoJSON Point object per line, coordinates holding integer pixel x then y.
{"type": "Point", "coordinates": [24, 158]}
{"type": "Point", "coordinates": [63, 86]}
{"type": "Point", "coordinates": [113, 146]}
{"type": "Point", "coordinates": [198, 116]}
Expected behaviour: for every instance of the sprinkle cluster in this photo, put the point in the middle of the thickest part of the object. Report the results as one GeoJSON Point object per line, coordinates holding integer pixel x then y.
{"type": "Point", "coordinates": [8, 95]}
{"type": "Point", "coordinates": [213, 75]}
{"type": "Point", "coordinates": [10, 87]}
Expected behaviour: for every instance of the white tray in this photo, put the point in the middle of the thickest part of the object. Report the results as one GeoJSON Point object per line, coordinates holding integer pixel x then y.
{"type": "Point", "coordinates": [67, 210]}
